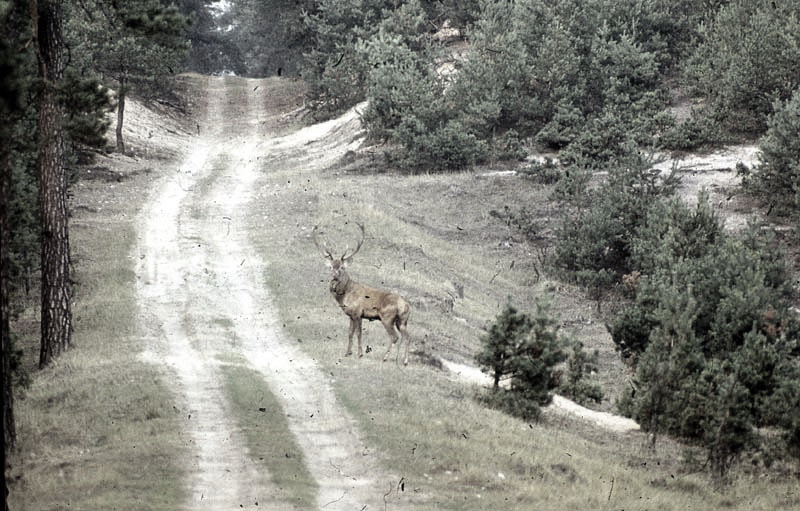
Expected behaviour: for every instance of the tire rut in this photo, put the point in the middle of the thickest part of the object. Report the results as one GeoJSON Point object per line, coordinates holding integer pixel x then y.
{"type": "Point", "coordinates": [202, 294]}
{"type": "Point", "coordinates": [221, 475]}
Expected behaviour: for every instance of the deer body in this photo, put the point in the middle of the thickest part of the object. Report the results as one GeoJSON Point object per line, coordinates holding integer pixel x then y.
{"type": "Point", "coordinates": [361, 302]}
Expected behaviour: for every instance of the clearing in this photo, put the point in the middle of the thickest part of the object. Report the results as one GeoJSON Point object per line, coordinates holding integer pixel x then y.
{"type": "Point", "coordinates": [204, 298]}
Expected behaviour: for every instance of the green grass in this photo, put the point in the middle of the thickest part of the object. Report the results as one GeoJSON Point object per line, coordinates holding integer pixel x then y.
{"type": "Point", "coordinates": [266, 430]}
{"type": "Point", "coordinates": [97, 429]}
{"type": "Point", "coordinates": [425, 233]}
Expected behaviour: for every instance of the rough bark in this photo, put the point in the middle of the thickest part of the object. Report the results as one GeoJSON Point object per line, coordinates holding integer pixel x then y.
{"type": "Point", "coordinates": [9, 106]}
{"type": "Point", "coordinates": [5, 332]}
{"type": "Point", "coordinates": [56, 289]}
{"type": "Point", "coordinates": [120, 116]}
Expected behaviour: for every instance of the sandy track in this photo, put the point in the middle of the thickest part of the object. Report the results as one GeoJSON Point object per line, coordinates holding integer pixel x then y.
{"type": "Point", "coordinates": [221, 474]}
{"type": "Point", "coordinates": [560, 405]}
{"type": "Point", "coordinates": [198, 275]}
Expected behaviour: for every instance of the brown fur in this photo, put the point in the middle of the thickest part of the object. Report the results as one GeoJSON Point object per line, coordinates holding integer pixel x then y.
{"type": "Point", "coordinates": [361, 302]}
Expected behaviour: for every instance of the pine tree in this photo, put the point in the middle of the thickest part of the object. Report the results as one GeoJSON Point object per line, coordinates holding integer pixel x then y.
{"type": "Point", "coordinates": [714, 338]}
{"type": "Point", "coordinates": [504, 335]}
{"type": "Point", "coordinates": [777, 178]}
{"type": "Point", "coordinates": [523, 350]}
{"type": "Point", "coordinates": [576, 387]}
{"type": "Point", "coordinates": [56, 288]}
{"type": "Point", "coordinates": [86, 103]}
{"type": "Point", "coordinates": [138, 44]}
{"type": "Point", "coordinates": [534, 376]}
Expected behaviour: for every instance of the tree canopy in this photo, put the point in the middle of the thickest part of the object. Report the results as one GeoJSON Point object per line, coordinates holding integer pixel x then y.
{"type": "Point", "coordinates": [130, 44]}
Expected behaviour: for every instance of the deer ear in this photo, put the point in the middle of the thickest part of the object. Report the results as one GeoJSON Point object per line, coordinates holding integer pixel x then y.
{"type": "Point", "coordinates": [346, 261]}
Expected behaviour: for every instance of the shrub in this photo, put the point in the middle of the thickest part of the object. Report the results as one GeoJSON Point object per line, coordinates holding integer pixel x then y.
{"type": "Point", "coordinates": [603, 140]}
{"type": "Point", "coordinates": [524, 351]}
{"type": "Point", "coordinates": [709, 332]}
{"type": "Point", "coordinates": [777, 177]}
{"type": "Point", "coordinates": [564, 126]}
{"type": "Point", "coordinates": [594, 245]}
{"type": "Point", "coordinates": [733, 280]}
{"type": "Point", "coordinates": [671, 231]}
{"type": "Point", "coordinates": [399, 85]}
{"type": "Point", "coordinates": [750, 56]}
{"type": "Point", "coordinates": [579, 365]}
{"type": "Point", "coordinates": [695, 132]}
{"type": "Point", "coordinates": [545, 172]}
{"type": "Point", "coordinates": [449, 146]}
{"type": "Point", "coordinates": [508, 330]}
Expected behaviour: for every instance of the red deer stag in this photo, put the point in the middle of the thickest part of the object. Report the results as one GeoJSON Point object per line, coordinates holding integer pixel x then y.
{"type": "Point", "coordinates": [361, 302]}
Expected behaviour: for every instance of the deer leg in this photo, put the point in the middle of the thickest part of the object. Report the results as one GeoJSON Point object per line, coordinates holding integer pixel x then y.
{"type": "Point", "coordinates": [350, 338]}
{"type": "Point", "coordinates": [404, 332]}
{"type": "Point", "coordinates": [402, 322]}
{"type": "Point", "coordinates": [389, 325]}
{"type": "Point", "coordinates": [358, 332]}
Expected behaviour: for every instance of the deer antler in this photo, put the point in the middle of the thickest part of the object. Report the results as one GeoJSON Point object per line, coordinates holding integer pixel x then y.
{"type": "Point", "coordinates": [360, 242]}
{"type": "Point", "coordinates": [322, 248]}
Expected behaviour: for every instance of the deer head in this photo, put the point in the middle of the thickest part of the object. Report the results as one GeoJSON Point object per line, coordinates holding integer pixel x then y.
{"type": "Point", "coordinates": [338, 264]}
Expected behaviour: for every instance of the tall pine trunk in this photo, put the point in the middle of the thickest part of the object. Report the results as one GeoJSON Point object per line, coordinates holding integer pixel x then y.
{"type": "Point", "coordinates": [10, 107]}
{"type": "Point", "coordinates": [120, 116]}
{"type": "Point", "coordinates": [56, 292]}
{"type": "Point", "coordinates": [5, 332]}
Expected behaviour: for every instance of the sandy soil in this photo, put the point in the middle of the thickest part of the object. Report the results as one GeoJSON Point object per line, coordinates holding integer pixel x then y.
{"type": "Point", "coordinates": [202, 295]}
{"type": "Point", "coordinates": [716, 173]}
{"type": "Point", "coordinates": [559, 406]}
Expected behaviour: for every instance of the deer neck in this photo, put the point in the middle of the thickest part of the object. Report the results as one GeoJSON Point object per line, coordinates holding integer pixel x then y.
{"type": "Point", "coordinates": [341, 286]}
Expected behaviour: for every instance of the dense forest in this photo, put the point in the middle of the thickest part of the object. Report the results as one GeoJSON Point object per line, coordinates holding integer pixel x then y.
{"type": "Point", "coordinates": [708, 321]}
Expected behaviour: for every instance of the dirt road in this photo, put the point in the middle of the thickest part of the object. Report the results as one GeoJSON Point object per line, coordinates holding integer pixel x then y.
{"type": "Point", "coordinates": [203, 300]}
{"type": "Point", "coordinates": [204, 303]}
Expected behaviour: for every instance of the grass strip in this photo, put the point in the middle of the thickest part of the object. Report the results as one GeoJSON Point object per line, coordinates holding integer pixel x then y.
{"type": "Point", "coordinates": [269, 439]}
{"type": "Point", "coordinates": [97, 429]}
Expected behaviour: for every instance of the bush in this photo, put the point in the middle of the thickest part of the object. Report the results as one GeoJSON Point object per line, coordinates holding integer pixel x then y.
{"type": "Point", "coordinates": [448, 147]}
{"type": "Point", "coordinates": [524, 352]}
{"type": "Point", "coordinates": [603, 140]}
{"type": "Point", "coordinates": [750, 56]}
{"type": "Point", "coordinates": [709, 332]}
{"type": "Point", "coordinates": [406, 104]}
{"type": "Point", "coordinates": [579, 365]}
{"type": "Point", "coordinates": [717, 401]}
{"type": "Point", "coordinates": [564, 126]}
{"type": "Point", "coordinates": [671, 231]}
{"type": "Point", "coordinates": [595, 240]}
{"type": "Point", "coordinates": [86, 103]}
{"type": "Point", "coordinates": [399, 85]}
{"type": "Point", "coordinates": [734, 281]}
{"type": "Point", "coordinates": [695, 132]}
{"type": "Point", "coordinates": [545, 172]}
{"type": "Point", "coordinates": [777, 178]}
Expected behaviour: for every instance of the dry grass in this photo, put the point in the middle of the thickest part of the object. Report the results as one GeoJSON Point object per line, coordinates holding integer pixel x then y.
{"type": "Point", "coordinates": [427, 236]}
{"type": "Point", "coordinates": [97, 429]}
